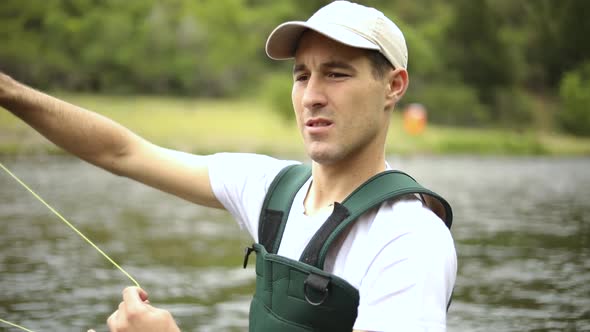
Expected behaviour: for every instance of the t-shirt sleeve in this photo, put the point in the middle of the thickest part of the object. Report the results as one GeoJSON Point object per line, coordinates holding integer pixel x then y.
{"type": "Point", "coordinates": [410, 280]}
{"type": "Point", "coordinates": [240, 182]}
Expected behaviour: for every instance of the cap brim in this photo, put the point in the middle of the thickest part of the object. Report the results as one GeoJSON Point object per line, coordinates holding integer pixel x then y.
{"type": "Point", "coordinates": [282, 42]}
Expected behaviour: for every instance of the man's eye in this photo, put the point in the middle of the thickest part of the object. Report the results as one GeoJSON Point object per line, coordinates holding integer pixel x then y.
{"type": "Point", "coordinates": [337, 75]}
{"type": "Point", "coordinates": [302, 77]}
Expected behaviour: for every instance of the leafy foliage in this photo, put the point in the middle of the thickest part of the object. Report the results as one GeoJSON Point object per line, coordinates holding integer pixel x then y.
{"type": "Point", "coordinates": [450, 103]}
{"type": "Point", "coordinates": [490, 54]}
{"type": "Point", "coordinates": [575, 94]}
{"type": "Point", "coordinates": [277, 91]}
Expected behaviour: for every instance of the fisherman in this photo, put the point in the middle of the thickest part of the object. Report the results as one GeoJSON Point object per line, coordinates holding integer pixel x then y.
{"type": "Point", "coordinates": [349, 72]}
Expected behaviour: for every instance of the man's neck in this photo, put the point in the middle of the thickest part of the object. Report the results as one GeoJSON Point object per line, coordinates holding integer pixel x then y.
{"type": "Point", "coordinates": [334, 182]}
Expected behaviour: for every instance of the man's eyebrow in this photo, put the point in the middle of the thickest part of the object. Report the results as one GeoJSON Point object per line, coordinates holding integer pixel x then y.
{"type": "Point", "coordinates": [327, 65]}
{"type": "Point", "coordinates": [299, 67]}
{"type": "Point", "coordinates": [338, 65]}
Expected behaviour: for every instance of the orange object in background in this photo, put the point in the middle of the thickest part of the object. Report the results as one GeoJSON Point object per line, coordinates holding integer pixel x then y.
{"type": "Point", "coordinates": [415, 119]}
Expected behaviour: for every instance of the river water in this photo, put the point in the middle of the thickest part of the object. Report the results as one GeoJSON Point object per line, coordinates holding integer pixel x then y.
{"type": "Point", "coordinates": [521, 227]}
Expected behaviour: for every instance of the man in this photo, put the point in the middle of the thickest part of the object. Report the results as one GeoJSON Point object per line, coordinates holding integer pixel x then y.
{"type": "Point", "coordinates": [348, 74]}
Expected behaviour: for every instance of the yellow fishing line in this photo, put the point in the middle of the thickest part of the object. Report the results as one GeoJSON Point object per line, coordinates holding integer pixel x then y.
{"type": "Point", "coordinates": [12, 324]}
{"type": "Point", "coordinates": [71, 226]}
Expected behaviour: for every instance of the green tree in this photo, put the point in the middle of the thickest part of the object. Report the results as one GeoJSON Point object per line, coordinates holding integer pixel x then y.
{"type": "Point", "coordinates": [575, 94]}
{"type": "Point", "coordinates": [474, 48]}
{"type": "Point", "coordinates": [558, 38]}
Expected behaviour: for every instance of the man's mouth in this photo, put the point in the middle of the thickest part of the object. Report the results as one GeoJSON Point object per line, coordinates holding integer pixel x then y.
{"type": "Point", "coordinates": [318, 122]}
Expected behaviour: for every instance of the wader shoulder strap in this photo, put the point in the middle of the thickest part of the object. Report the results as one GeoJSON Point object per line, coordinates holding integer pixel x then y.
{"type": "Point", "coordinates": [277, 204]}
{"type": "Point", "coordinates": [383, 186]}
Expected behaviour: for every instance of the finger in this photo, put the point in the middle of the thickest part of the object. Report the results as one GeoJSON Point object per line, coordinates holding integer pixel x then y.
{"type": "Point", "coordinates": [143, 295]}
{"type": "Point", "coordinates": [133, 298]}
{"type": "Point", "coordinates": [91, 331]}
{"type": "Point", "coordinates": [111, 320]}
{"type": "Point", "coordinates": [134, 295]}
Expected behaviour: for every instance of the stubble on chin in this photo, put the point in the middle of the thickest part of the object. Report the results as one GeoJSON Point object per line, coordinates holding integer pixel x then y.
{"type": "Point", "coordinates": [324, 155]}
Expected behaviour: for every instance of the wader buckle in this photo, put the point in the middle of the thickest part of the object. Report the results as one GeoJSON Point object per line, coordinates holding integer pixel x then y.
{"type": "Point", "coordinates": [318, 284]}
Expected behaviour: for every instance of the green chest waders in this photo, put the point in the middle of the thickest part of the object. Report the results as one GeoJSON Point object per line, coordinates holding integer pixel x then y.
{"type": "Point", "coordinates": [299, 295]}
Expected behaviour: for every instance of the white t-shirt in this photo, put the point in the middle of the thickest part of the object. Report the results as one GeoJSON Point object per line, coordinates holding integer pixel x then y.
{"type": "Point", "coordinates": [400, 256]}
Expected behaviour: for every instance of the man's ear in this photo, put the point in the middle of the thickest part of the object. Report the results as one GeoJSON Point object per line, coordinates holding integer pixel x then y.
{"type": "Point", "coordinates": [397, 84]}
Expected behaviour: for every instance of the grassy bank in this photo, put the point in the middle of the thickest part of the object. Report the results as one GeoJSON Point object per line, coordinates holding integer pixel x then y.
{"type": "Point", "coordinates": [205, 126]}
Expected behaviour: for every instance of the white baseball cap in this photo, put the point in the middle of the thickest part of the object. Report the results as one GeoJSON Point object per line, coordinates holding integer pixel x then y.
{"type": "Point", "coordinates": [345, 22]}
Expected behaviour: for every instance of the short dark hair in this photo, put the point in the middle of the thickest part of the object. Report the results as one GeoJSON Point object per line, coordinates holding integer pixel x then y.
{"type": "Point", "coordinates": [379, 63]}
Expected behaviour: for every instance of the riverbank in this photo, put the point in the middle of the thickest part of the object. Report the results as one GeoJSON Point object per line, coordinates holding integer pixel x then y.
{"type": "Point", "coordinates": [207, 126]}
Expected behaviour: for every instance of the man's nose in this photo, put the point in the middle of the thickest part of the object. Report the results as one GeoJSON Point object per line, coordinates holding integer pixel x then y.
{"type": "Point", "coordinates": [314, 95]}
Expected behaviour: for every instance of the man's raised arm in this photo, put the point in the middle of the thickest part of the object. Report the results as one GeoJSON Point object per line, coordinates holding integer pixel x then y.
{"type": "Point", "coordinates": [107, 144]}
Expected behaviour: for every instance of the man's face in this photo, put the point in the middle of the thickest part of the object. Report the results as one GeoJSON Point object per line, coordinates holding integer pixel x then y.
{"type": "Point", "coordinates": [338, 103]}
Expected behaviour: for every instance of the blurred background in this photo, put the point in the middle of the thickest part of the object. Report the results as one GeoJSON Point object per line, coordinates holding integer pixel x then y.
{"type": "Point", "coordinates": [522, 66]}
{"type": "Point", "coordinates": [496, 119]}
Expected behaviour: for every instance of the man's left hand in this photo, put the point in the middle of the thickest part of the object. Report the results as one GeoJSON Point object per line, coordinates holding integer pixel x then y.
{"type": "Point", "coordinates": [136, 314]}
